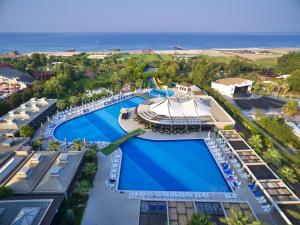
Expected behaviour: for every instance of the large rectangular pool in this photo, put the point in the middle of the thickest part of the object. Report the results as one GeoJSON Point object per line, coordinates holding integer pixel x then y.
{"type": "Point", "coordinates": [183, 165]}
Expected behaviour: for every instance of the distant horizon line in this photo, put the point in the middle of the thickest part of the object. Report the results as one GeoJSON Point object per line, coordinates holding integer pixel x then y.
{"type": "Point", "coordinates": [161, 32]}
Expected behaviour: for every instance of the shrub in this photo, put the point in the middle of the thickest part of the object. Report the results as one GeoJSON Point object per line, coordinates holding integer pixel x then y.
{"type": "Point", "coordinates": [27, 131]}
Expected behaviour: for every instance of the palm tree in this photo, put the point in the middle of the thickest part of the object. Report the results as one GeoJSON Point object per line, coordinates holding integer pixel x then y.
{"type": "Point", "coordinates": [53, 145]}
{"type": "Point", "coordinates": [236, 217]}
{"type": "Point", "coordinates": [288, 174]}
{"type": "Point", "coordinates": [272, 156]}
{"type": "Point", "coordinates": [256, 142]}
{"type": "Point", "coordinates": [291, 108]}
{"type": "Point", "coordinates": [200, 219]}
{"type": "Point", "coordinates": [38, 142]}
{"type": "Point", "coordinates": [37, 87]}
{"type": "Point", "coordinates": [77, 145]}
{"type": "Point", "coordinates": [82, 187]}
{"type": "Point", "coordinates": [90, 169]}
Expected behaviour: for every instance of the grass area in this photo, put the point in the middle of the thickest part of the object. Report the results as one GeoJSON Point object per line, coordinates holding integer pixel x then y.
{"type": "Point", "coordinates": [267, 62]}
{"type": "Point", "coordinates": [148, 58]}
{"type": "Point", "coordinates": [114, 145]}
{"type": "Point", "coordinates": [218, 59]}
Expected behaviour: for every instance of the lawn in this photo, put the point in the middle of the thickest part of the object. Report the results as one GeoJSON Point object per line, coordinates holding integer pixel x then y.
{"type": "Point", "coordinates": [114, 145]}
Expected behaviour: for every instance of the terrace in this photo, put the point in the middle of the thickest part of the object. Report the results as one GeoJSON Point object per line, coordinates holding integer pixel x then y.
{"type": "Point", "coordinates": [239, 145]}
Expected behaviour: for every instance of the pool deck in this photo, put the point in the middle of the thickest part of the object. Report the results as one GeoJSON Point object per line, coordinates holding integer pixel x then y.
{"type": "Point", "coordinates": [106, 207]}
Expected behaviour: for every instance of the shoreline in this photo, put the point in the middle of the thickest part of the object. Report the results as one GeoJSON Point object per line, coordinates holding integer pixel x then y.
{"type": "Point", "coordinates": [248, 53]}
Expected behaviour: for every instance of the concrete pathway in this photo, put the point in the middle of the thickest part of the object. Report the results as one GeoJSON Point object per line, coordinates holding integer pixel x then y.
{"type": "Point", "coordinates": [108, 207]}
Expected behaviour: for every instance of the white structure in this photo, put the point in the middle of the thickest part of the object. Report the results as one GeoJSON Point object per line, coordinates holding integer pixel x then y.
{"type": "Point", "coordinates": [232, 86]}
{"type": "Point", "coordinates": [187, 88]}
{"type": "Point", "coordinates": [201, 112]}
{"type": "Point", "coordinates": [296, 129]}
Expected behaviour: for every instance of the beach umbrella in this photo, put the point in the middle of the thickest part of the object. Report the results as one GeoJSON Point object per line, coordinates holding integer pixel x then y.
{"type": "Point", "coordinates": [208, 135]}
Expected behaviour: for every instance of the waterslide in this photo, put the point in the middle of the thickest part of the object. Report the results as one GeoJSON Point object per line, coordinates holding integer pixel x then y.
{"type": "Point", "coordinates": [152, 82]}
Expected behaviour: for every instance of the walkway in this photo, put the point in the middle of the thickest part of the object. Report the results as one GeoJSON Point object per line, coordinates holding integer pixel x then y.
{"type": "Point", "coordinates": [107, 207]}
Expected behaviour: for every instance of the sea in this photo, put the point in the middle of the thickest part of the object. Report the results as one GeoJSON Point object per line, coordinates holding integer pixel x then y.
{"type": "Point", "coordinates": [87, 42]}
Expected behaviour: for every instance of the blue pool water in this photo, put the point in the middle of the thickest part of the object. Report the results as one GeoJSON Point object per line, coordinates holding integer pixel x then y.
{"type": "Point", "coordinates": [101, 125]}
{"type": "Point", "coordinates": [183, 165]}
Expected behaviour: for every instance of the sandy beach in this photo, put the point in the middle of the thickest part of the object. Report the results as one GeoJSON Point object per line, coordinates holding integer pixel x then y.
{"type": "Point", "coordinates": [246, 53]}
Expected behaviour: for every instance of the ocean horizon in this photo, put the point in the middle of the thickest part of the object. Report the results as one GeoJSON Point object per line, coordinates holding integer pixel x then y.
{"type": "Point", "coordinates": [105, 41]}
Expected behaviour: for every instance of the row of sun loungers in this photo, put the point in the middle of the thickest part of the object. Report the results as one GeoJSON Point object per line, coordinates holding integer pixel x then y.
{"type": "Point", "coordinates": [115, 165]}
{"type": "Point", "coordinates": [168, 195]}
{"type": "Point", "coordinates": [81, 110]}
{"type": "Point", "coordinates": [259, 197]}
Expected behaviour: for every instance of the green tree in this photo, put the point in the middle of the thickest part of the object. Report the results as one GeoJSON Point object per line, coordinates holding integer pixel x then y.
{"type": "Point", "coordinates": [73, 100]}
{"type": "Point", "coordinates": [82, 187]}
{"type": "Point", "coordinates": [77, 145]}
{"type": "Point", "coordinates": [272, 156]}
{"type": "Point", "coordinates": [256, 142]}
{"type": "Point", "coordinates": [37, 87]}
{"type": "Point", "coordinates": [200, 219]}
{"type": "Point", "coordinates": [61, 104]}
{"type": "Point", "coordinates": [288, 174]}
{"type": "Point", "coordinates": [5, 192]}
{"type": "Point", "coordinates": [70, 217]}
{"type": "Point", "coordinates": [228, 127]}
{"type": "Point", "coordinates": [53, 146]}
{"type": "Point", "coordinates": [294, 80]}
{"type": "Point", "coordinates": [291, 108]}
{"type": "Point", "coordinates": [38, 142]}
{"type": "Point", "coordinates": [90, 169]}
{"type": "Point", "coordinates": [236, 217]}
{"type": "Point", "coordinates": [26, 131]}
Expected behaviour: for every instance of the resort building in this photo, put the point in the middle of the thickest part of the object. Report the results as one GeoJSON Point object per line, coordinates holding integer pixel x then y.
{"type": "Point", "coordinates": [187, 88]}
{"type": "Point", "coordinates": [264, 180]}
{"type": "Point", "coordinates": [29, 210]}
{"type": "Point", "coordinates": [32, 113]}
{"type": "Point", "coordinates": [27, 177]}
{"type": "Point", "coordinates": [233, 87]}
{"type": "Point", "coordinates": [184, 112]}
{"type": "Point", "coordinates": [12, 80]}
{"type": "Point", "coordinates": [59, 176]}
{"type": "Point", "coordinates": [180, 212]}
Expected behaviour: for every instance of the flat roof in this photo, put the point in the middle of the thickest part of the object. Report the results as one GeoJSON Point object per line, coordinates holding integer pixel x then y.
{"type": "Point", "coordinates": [11, 73]}
{"type": "Point", "coordinates": [287, 208]}
{"type": "Point", "coordinates": [26, 113]}
{"type": "Point", "coordinates": [231, 134]}
{"type": "Point", "coordinates": [262, 172]}
{"type": "Point", "coordinates": [180, 212]}
{"type": "Point", "coordinates": [249, 156]}
{"type": "Point", "coordinates": [232, 81]}
{"type": "Point", "coordinates": [31, 172]}
{"type": "Point", "coordinates": [60, 175]}
{"type": "Point", "coordinates": [43, 208]}
{"type": "Point", "coordinates": [278, 191]}
{"type": "Point", "coordinates": [13, 143]}
{"type": "Point", "coordinates": [10, 167]}
{"type": "Point", "coordinates": [239, 145]}
{"type": "Point", "coordinates": [153, 212]}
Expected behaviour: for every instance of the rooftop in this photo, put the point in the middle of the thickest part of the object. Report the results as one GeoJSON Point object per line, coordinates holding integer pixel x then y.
{"type": "Point", "coordinates": [31, 172]}
{"type": "Point", "coordinates": [232, 81]}
{"type": "Point", "coordinates": [25, 113]}
{"type": "Point", "coordinates": [60, 175]}
{"type": "Point", "coordinates": [262, 172]}
{"type": "Point", "coordinates": [37, 210]}
{"type": "Point", "coordinates": [11, 73]}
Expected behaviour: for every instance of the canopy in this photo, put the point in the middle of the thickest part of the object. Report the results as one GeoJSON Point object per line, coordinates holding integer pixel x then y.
{"type": "Point", "coordinates": [174, 107]}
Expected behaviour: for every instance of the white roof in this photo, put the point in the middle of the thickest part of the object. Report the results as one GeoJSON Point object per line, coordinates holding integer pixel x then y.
{"type": "Point", "coordinates": [192, 107]}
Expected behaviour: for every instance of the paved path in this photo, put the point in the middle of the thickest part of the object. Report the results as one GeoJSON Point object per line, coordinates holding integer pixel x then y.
{"type": "Point", "coordinates": [108, 207]}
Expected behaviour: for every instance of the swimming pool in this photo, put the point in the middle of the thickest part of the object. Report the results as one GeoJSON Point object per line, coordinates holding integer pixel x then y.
{"type": "Point", "coordinates": [183, 165]}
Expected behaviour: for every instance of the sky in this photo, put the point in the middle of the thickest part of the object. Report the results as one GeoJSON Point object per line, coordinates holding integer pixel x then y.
{"type": "Point", "coordinates": [150, 16]}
